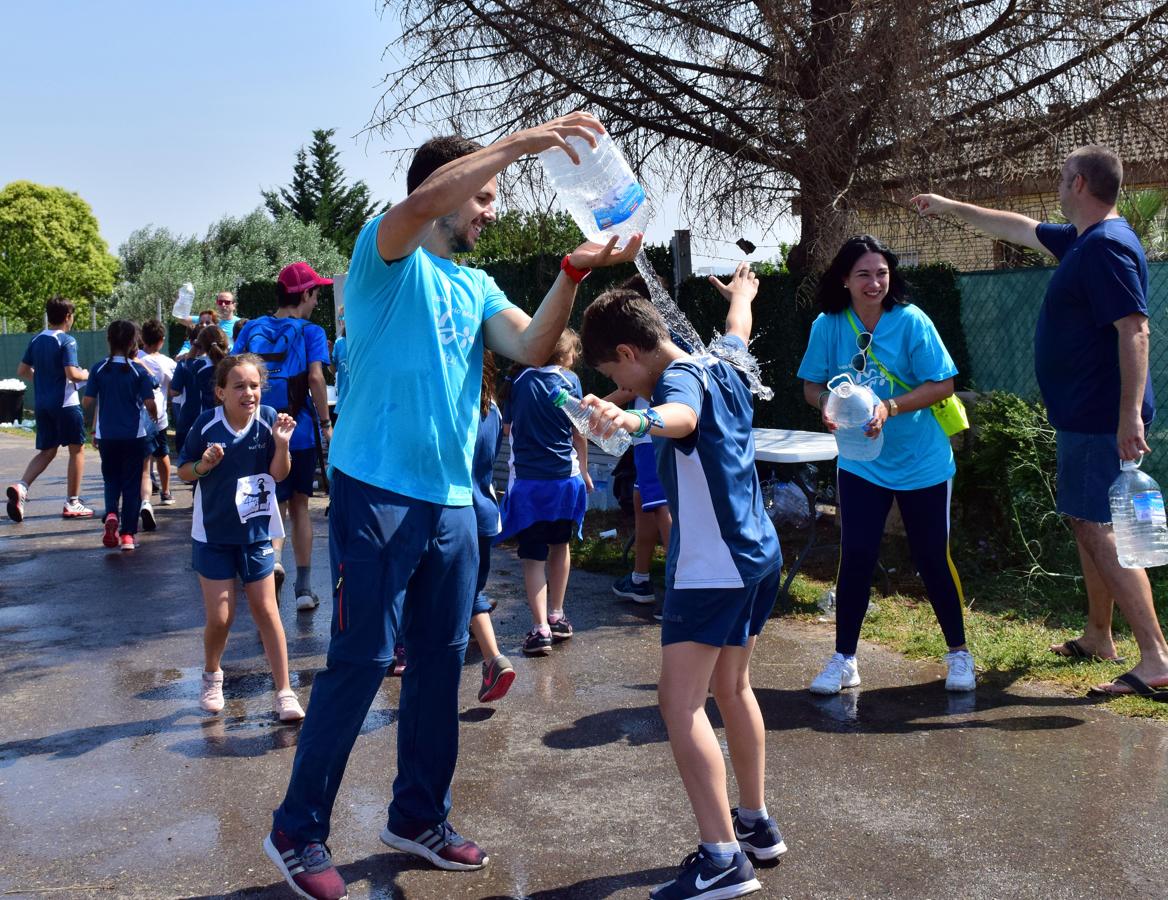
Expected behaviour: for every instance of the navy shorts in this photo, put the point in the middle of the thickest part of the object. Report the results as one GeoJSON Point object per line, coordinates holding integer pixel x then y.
{"type": "Point", "coordinates": [652, 494]}
{"type": "Point", "coordinates": [223, 562]}
{"type": "Point", "coordinates": [535, 539]}
{"type": "Point", "coordinates": [61, 427]}
{"type": "Point", "coordinates": [1087, 465]}
{"type": "Point", "coordinates": [300, 476]}
{"type": "Point", "coordinates": [156, 444]}
{"type": "Point", "coordinates": [721, 617]}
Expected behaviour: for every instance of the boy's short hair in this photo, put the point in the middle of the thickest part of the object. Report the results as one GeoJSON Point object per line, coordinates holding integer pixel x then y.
{"type": "Point", "coordinates": [152, 332]}
{"type": "Point", "coordinates": [436, 153]}
{"type": "Point", "coordinates": [620, 316]}
{"type": "Point", "coordinates": [58, 309]}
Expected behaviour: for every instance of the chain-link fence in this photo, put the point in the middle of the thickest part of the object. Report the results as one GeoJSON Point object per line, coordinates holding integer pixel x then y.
{"type": "Point", "coordinates": [999, 310]}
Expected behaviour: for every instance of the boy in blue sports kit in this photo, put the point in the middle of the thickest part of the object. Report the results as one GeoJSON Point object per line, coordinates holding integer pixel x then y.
{"type": "Point", "coordinates": [722, 568]}
{"type": "Point", "coordinates": [403, 539]}
{"type": "Point", "coordinates": [51, 361]}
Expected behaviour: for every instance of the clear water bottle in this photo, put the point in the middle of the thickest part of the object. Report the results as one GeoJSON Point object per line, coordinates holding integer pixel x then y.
{"type": "Point", "coordinates": [850, 407]}
{"type": "Point", "coordinates": [601, 194]}
{"type": "Point", "coordinates": [1137, 518]}
{"type": "Point", "coordinates": [614, 445]}
{"type": "Point", "coordinates": [184, 301]}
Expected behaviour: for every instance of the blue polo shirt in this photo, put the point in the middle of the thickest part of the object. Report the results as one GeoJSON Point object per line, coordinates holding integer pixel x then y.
{"type": "Point", "coordinates": [541, 434]}
{"type": "Point", "coordinates": [721, 536]}
{"type": "Point", "coordinates": [48, 354]}
{"type": "Point", "coordinates": [121, 388]}
{"type": "Point", "coordinates": [1102, 277]}
{"type": "Point", "coordinates": [235, 502]}
{"type": "Point", "coordinates": [414, 333]}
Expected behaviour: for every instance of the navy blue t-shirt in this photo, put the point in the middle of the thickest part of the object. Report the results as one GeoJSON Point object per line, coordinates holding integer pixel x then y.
{"type": "Point", "coordinates": [48, 354]}
{"type": "Point", "coordinates": [194, 377]}
{"type": "Point", "coordinates": [234, 503]}
{"type": "Point", "coordinates": [121, 389]}
{"type": "Point", "coordinates": [541, 434]}
{"type": "Point", "coordinates": [721, 536]}
{"type": "Point", "coordinates": [482, 472]}
{"type": "Point", "coordinates": [1102, 277]}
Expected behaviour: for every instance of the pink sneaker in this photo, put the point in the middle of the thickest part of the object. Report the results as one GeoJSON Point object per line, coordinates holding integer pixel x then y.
{"type": "Point", "coordinates": [128, 542]}
{"type": "Point", "coordinates": [288, 708]}
{"type": "Point", "coordinates": [110, 538]}
{"type": "Point", "coordinates": [17, 494]}
{"type": "Point", "coordinates": [211, 697]}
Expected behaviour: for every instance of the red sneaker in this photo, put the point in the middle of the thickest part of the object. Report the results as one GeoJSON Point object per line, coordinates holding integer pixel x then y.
{"type": "Point", "coordinates": [110, 538]}
{"type": "Point", "coordinates": [440, 845]}
{"type": "Point", "coordinates": [128, 542]}
{"type": "Point", "coordinates": [308, 868]}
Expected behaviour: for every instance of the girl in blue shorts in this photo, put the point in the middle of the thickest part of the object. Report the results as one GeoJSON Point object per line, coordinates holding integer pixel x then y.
{"type": "Point", "coordinates": [235, 454]}
{"type": "Point", "coordinates": [547, 487]}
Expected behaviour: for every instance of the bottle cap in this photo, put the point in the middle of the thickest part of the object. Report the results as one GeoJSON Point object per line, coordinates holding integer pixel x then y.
{"type": "Point", "coordinates": [560, 399]}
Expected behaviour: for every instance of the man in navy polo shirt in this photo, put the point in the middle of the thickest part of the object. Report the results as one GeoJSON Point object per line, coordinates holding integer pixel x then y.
{"type": "Point", "coordinates": [1091, 358]}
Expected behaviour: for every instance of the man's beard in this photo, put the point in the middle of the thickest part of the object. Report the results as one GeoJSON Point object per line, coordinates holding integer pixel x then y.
{"type": "Point", "coordinates": [459, 241]}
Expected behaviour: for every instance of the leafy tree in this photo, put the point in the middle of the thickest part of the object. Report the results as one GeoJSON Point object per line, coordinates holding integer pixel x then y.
{"type": "Point", "coordinates": [517, 235]}
{"type": "Point", "coordinates": [156, 262]}
{"type": "Point", "coordinates": [1147, 212]}
{"type": "Point", "coordinates": [815, 107]}
{"type": "Point", "coordinates": [49, 244]}
{"type": "Point", "coordinates": [318, 193]}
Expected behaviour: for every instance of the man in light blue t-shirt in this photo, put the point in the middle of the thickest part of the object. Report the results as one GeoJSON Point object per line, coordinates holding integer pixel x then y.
{"type": "Point", "coordinates": [402, 532]}
{"type": "Point", "coordinates": [1091, 359]}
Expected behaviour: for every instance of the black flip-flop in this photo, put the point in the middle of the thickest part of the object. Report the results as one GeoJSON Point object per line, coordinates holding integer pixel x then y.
{"type": "Point", "coordinates": [1139, 688]}
{"type": "Point", "coordinates": [1075, 651]}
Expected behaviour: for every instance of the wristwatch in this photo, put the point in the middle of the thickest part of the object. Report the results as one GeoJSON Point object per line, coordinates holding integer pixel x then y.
{"type": "Point", "coordinates": [892, 410]}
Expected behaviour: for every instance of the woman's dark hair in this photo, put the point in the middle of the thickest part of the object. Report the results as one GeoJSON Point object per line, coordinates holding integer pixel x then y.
{"type": "Point", "coordinates": [213, 342]}
{"type": "Point", "coordinates": [122, 337]}
{"type": "Point", "coordinates": [490, 374]}
{"type": "Point", "coordinates": [832, 295]}
{"type": "Point", "coordinates": [226, 364]}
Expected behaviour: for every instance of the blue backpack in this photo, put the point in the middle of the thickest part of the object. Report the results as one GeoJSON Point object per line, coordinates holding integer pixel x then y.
{"type": "Point", "coordinates": [280, 344]}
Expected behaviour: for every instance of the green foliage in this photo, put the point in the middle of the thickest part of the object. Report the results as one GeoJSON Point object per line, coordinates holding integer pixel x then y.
{"type": "Point", "coordinates": [318, 194]}
{"type": "Point", "coordinates": [1147, 213]}
{"type": "Point", "coordinates": [516, 235]}
{"type": "Point", "coordinates": [49, 245]}
{"type": "Point", "coordinates": [1004, 488]}
{"type": "Point", "coordinates": [233, 252]}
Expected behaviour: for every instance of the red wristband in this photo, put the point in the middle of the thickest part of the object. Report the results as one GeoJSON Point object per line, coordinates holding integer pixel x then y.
{"type": "Point", "coordinates": [577, 275]}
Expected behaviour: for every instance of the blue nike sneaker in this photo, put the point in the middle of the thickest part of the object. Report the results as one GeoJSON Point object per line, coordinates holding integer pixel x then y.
{"type": "Point", "coordinates": [700, 877]}
{"type": "Point", "coordinates": [638, 593]}
{"type": "Point", "coordinates": [762, 841]}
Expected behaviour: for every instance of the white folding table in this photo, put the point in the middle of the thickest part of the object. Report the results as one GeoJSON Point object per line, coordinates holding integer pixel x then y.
{"type": "Point", "coordinates": [782, 446]}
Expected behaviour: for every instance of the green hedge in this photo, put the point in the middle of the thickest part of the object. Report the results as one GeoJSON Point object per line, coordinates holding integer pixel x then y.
{"type": "Point", "coordinates": [782, 320]}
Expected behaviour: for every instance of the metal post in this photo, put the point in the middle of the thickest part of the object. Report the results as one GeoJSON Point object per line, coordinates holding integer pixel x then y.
{"type": "Point", "coordinates": [159, 313]}
{"type": "Point", "coordinates": [6, 324]}
{"type": "Point", "coordinates": [682, 261]}
{"type": "Point", "coordinates": [93, 317]}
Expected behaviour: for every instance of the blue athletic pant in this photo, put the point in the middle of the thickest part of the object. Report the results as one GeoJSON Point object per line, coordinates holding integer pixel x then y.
{"type": "Point", "coordinates": [863, 508]}
{"type": "Point", "coordinates": [406, 570]}
{"type": "Point", "coordinates": [481, 603]}
{"type": "Point", "coordinates": [121, 470]}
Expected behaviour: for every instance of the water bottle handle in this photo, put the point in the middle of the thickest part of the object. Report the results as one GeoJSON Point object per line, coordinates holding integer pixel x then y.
{"type": "Point", "coordinates": [842, 375]}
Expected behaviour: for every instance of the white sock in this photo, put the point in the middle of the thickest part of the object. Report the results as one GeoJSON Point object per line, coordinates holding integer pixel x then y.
{"type": "Point", "coordinates": [720, 855]}
{"type": "Point", "coordinates": [554, 615]}
{"type": "Point", "coordinates": [752, 816]}
{"type": "Point", "coordinates": [640, 577]}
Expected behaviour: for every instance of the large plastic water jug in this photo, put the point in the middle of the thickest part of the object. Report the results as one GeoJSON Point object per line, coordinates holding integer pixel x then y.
{"type": "Point", "coordinates": [184, 301]}
{"type": "Point", "coordinates": [1137, 518]}
{"type": "Point", "coordinates": [850, 406]}
{"type": "Point", "coordinates": [601, 193]}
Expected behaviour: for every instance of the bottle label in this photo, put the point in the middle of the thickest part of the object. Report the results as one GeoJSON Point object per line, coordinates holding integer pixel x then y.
{"type": "Point", "coordinates": [617, 205]}
{"type": "Point", "coordinates": [1149, 507]}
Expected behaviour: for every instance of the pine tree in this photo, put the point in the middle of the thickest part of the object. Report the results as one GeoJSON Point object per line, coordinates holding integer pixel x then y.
{"type": "Point", "coordinates": [318, 193]}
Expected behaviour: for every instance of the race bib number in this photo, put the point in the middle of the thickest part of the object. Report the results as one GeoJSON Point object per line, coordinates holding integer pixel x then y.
{"type": "Point", "coordinates": [255, 496]}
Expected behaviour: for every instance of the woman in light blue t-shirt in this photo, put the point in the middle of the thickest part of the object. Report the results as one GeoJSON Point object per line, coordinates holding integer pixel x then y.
{"type": "Point", "coordinates": [869, 331]}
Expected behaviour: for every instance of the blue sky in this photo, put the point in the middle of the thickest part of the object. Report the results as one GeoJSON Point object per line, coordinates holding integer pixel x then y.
{"type": "Point", "coordinates": [176, 113]}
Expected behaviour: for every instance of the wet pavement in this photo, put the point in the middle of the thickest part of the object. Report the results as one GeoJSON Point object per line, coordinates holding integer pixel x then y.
{"type": "Point", "coordinates": [114, 784]}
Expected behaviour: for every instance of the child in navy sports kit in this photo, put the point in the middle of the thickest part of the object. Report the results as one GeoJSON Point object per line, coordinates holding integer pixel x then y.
{"type": "Point", "coordinates": [235, 454]}
{"type": "Point", "coordinates": [722, 569]}
{"type": "Point", "coordinates": [162, 368]}
{"type": "Point", "coordinates": [123, 389]}
{"type": "Point", "coordinates": [194, 379]}
{"type": "Point", "coordinates": [51, 361]}
{"type": "Point", "coordinates": [546, 489]}
{"type": "Point", "coordinates": [498, 672]}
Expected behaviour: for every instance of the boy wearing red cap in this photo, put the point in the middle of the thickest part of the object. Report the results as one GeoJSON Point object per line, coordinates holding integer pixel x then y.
{"type": "Point", "coordinates": [289, 331]}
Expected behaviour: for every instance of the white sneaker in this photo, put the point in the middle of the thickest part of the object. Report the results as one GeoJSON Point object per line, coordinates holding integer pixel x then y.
{"type": "Point", "coordinates": [211, 698]}
{"type": "Point", "coordinates": [149, 522]}
{"type": "Point", "coordinates": [838, 673]}
{"type": "Point", "coordinates": [962, 676]}
{"type": "Point", "coordinates": [306, 600]}
{"type": "Point", "coordinates": [288, 708]}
